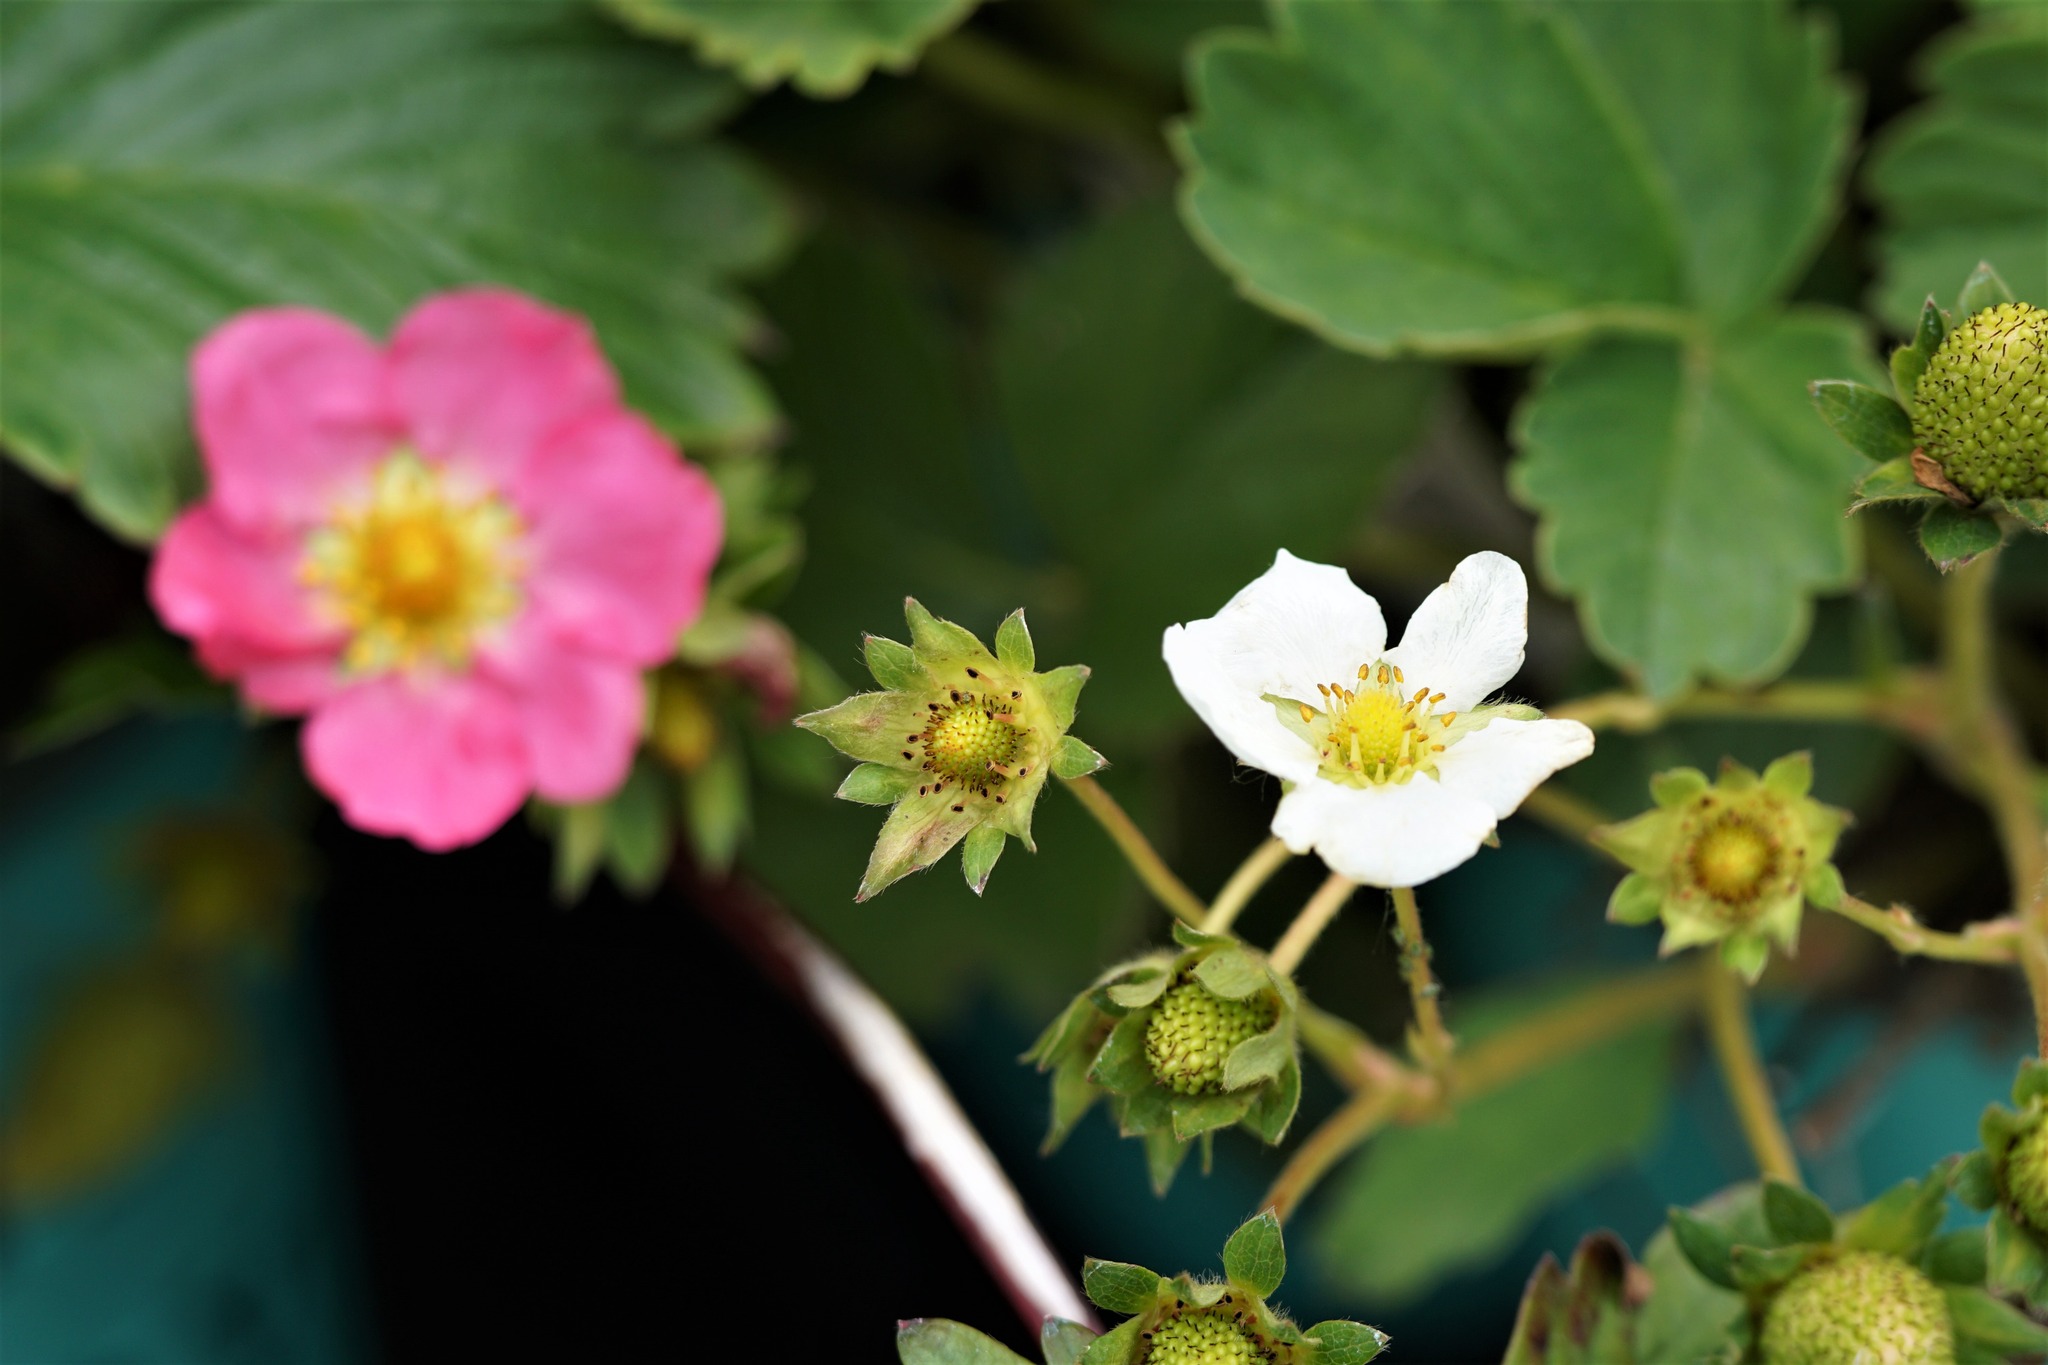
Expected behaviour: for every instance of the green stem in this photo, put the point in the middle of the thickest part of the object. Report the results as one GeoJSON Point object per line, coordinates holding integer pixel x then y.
{"type": "Point", "coordinates": [1308, 926]}
{"type": "Point", "coordinates": [1386, 1091]}
{"type": "Point", "coordinates": [1993, 942]}
{"type": "Point", "coordinates": [1130, 841]}
{"type": "Point", "coordinates": [1797, 700]}
{"type": "Point", "coordinates": [1432, 1042]}
{"type": "Point", "coordinates": [1742, 1071]}
{"type": "Point", "coordinates": [997, 78]}
{"type": "Point", "coordinates": [1987, 746]}
{"type": "Point", "coordinates": [1244, 883]}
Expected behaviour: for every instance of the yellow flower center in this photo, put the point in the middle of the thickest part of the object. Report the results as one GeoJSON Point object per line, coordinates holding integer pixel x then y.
{"type": "Point", "coordinates": [1379, 732]}
{"type": "Point", "coordinates": [973, 740]}
{"type": "Point", "coordinates": [1734, 859]}
{"type": "Point", "coordinates": [417, 568]}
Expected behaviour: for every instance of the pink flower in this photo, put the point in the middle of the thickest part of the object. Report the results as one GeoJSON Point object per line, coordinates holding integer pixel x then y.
{"type": "Point", "coordinates": [454, 555]}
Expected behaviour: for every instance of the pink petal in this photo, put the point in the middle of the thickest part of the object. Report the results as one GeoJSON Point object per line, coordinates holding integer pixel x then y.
{"type": "Point", "coordinates": [484, 375]}
{"type": "Point", "coordinates": [438, 761]}
{"type": "Point", "coordinates": [622, 536]}
{"type": "Point", "coordinates": [289, 403]}
{"type": "Point", "coordinates": [283, 684]}
{"type": "Point", "coordinates": [211, 579]}
{"type": "Point", "coordinates": [582, 714]}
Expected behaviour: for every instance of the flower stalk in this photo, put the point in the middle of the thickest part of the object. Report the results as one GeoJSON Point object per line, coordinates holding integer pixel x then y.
{"type": "Point", "coordinates": [1432, 1042]}
{"type": "Point", "coordinates": [1308, 925]}
{"type": "Point", "coordinates": [1268, 858]}
{"type": "Point", "coordinates": [1166, 887]}
{"type": "Point", "coordinates": [1742, 1070]}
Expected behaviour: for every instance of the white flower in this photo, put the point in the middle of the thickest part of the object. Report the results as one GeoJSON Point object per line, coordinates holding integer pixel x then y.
{"type": "Point", "coordinates": [1396, 771]}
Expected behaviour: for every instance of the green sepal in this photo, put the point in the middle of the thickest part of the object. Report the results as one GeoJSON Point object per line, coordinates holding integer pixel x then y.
{"type": "Point", "coordinates": [1340, 1343]}
{"type": "Point", "coordinates": [895, 665]}
{"type": "Point", "coordinates": [919, 832]}
{"type": "Point", "coordinates": [1075, 759]}
{"type": "Point", "coordinates": [1585, 1317]}
{"type": "Point", "coordinates": [1638, 899]}
{"type": "Point", "coordinates": [870, 726]}
{"type": "Point", "coordinates": [1148, 1111]}
{"type": "Point", "coordinates": [1907, 364]}
{"type": "Point", "coordinates": [1990, 1322]}
{"type": "Point", "coordinates": [1900, 1220]}
{"type": "Point", "coordinates": [1120, 1287]}
{"type": "Point", "coordinates": [1932, 329]}
{"type": "Point", "coordinates": [1996, 1129]}
{"type": "Point", "coordinates": [2031, 1083]}
{"type": "Point", "coordinates": [1120, 1345]}
{"type": "Point", "coordinates": [1273, 1111]}
{"type": "Point", "coordinates": [1676, 786]}
{"type": "Point", "coordinates": [936, 1341]}
{"type": "Point", "coordinates": [1232, 973]}
{"type": "Point", "coordinates": [1707, 1244]}
{"type": "Point", "coordinates": [872, 784]}
{"type": "Point", "coordinates": [2033, 512]}
{"type": "Point", "coordinates": [1121, 1067]}
{"type": "Point", "coordinates": [1746, 955]}
{"type": "Point", "coordinates": [1873, 425]}
{"type": "Point", "coordinates": [1073, 1094]}
{"type": "Point", "coordinates": [2014, 1261]}
{"type": "Point", "coordinates": [1984, 289]}
{"type": "Point", "coordinates": [1762, 1268]}
{"type": "Point", "coordinates": [1140, 988]}
{"type": "Point", "coordinates": [1790, 776]}
{"type": "Point", "coordinates": [978, 854]}
{"type": "Point", "coordinates": [1061, 688]}
{"type": "Point", "coordinates": [1064, 1033]}
{"type": "Point", "coordinates": [1194, 1115]}
{"type": "Point", "coordinates": [1893, 481]}
{"type": "Point", "coordinates": [1824, 886]}
{"type": "Point", "coordinates": [1973, 1181]}
{"type": "Point", "coordinates": [1255, 1257]}
{"type": "Point", "coordinates": [1163, 1155]}
{"type": "Point", "coordinates": [1062, 1342]}
{"type": "Point", "coordinates": [1643, 843]}
{"type": "Point", "coordinates": [1953, 536]}
{"type": "Point", "coordinates": [1188, 936]}
{"type": "Point", "coordinates": [1013, 644]}
{"type": "Point", "coordinates": [1959, 1257]}
{"type": "Point", "coordinates": [937, 641]}
{"type": "Point", "coordinates": [1260, 1057]}
{"type": "Point", "coordinates": [1793, 1215]}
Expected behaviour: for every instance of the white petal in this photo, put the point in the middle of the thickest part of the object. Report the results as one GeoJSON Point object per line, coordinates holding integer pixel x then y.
{"type": "Point", "coordinates": [1295, 625]}
{"type": "Point", "coordinates": [1502, 763]}
{"type": "Point", "coordinates": [1466, 638]}
{"type": "Point", "coordinates": [1384, 836]}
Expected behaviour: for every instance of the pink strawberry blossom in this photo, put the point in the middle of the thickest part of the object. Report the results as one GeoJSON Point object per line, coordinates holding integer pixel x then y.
{"type": "Point", "coordinates": [454, 555]}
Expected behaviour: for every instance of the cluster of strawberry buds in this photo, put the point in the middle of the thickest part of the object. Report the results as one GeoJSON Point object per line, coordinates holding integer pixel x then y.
{"type": "Point", "coordinates": [1397, 763]}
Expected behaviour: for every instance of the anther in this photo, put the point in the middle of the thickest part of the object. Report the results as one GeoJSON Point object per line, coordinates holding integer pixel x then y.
{"type": "Point", "coordinates": [1385, 673]}
{"type": "Point", "coordinates": [1397, 674]}
{"type": "Point", "coordinates": [1364, 672]}
{"type": "Point", "coordinates": [1437, 698]}
{"type": "Point", "coordinates": [1420, 693]}
{"type": "Point", "coordinates": [1307, 711]}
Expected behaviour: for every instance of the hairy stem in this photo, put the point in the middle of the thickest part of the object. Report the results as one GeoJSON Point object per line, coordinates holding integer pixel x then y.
{"type": "Point", "coordinates": [1308, 926]}
{"type": "Point", "coordinates": [1432, 1042]}
{"type": "Point", "coordinates": [1244, 883]}
{"type": "Point", "coordinates": [1994, 942]}
{"type": "Point", "coordinates": [1742, 1071]}
{"type": "Point", "coordinates": [1795, 700]}
{"type": "Point", "coordinates": [1987, 746]}
{"type": "Point", "coordinates": [1130, 841]}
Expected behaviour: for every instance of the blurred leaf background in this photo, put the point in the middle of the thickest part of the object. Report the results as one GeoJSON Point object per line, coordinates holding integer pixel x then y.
{"type": "Point", "coordinates": [1086, 308]}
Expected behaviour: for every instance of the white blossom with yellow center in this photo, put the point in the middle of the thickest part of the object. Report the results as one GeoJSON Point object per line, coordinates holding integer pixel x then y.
{"type": "Point", "coordinates": [1397, 768]}
{"type": "Point", "coordinates": [416, 567]}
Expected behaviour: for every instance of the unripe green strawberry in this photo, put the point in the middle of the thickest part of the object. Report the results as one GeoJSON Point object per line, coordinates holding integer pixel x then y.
{"type": "Point", "coordinates": [1210, 1338]}
{"type": "Point", "coordinates": [1981, 406]}
{"type": "Point", "coordinates": [2026, 1174]}
{"type": "Point", "coordinates": [1861, 1308]}
{"type": "Point", "coordinates": [1192, 1032]}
